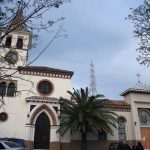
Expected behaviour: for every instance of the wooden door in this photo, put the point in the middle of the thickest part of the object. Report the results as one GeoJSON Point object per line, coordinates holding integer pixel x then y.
{"type": "Point", "coordinates": [145, 137]}
{"type": "Point", "coordinates": [42, 132]}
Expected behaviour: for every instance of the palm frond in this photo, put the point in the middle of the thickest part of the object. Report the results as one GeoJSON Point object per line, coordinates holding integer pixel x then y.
{"type": "Point", "coordinates": [85, 111]}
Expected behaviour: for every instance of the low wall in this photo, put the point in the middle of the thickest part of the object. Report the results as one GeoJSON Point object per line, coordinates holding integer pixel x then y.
{"type": "Point", "coordinates": [76, 145]}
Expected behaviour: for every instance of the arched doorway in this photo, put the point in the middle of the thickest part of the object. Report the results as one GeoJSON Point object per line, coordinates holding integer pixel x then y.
{"type": "Point", "coordinates": [42, 132]}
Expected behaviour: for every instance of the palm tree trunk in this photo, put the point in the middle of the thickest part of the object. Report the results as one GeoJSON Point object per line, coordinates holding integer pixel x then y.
{"type": "Point", "coordinates": [84, 140]}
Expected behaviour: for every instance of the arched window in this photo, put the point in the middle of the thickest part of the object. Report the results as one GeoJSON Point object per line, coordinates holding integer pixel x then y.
{"type": "Point", "coordinates": [144, 116]}
{"type": "Point", "coordinates": [121, 128]}
{"type": "Point", "coordinates": [19, 43]}
{"type": "Point", "coordinates": [2, 89]}
{"type": "Point", "coordinates": [8, 41]}
{"type": "Point", "coordinates": [11, 89]}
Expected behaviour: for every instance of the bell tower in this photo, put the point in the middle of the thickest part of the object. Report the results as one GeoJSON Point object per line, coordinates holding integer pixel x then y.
{"type": "Point", "coordinates": [15, 45]}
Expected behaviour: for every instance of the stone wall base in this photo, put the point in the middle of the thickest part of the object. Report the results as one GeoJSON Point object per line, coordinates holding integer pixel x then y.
{"type": "Point", "coordinates": [97, 145]}
{"type": "Point", "coordinates": [76, 145]}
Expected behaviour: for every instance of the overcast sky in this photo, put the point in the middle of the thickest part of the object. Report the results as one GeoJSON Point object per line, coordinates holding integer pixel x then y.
{"type": "Point", "coordinates": [96, 30]}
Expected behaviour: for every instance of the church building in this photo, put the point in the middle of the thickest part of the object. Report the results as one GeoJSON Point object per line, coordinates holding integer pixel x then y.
{"type": "Point", "coordinates": [32, 113]}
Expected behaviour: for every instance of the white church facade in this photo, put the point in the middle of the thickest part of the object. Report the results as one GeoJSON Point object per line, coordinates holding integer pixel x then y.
{"type": "Point", "coordinates": [33, 112]}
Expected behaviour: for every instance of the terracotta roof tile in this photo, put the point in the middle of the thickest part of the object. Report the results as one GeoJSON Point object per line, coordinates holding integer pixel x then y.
{"type": "Point", "coordinates": [45, 70]}
{"type": "Point", "coordinates": [137, 88]}
{"type": "Point", "coordinates": [119, 103]}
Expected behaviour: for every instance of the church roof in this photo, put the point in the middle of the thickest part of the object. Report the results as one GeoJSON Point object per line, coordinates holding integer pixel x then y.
{"type": "Point", "coordinates": [117, 105]}
{"type": "Point", "coordinates": [45, 71]}
{"type": "Point", "coordinates": [137, 88]}
{"type": "Point", "coordinates": [112, 105]}
{"type": "Point", "coordinates": [17, 22]}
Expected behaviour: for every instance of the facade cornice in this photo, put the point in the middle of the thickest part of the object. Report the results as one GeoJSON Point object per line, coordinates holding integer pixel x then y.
{"type": "Point", "coordinates": [42, 99]}
{"type": "Point", "coordinates": [117, 105]}
{"type": "Point", "coordinates": [26, 32]}
{"type": "Point", "coordinates": [116, 108]}
{"type": "Point", "coordinates": [114, 105]}
{"type": "Point", "coordinates": [45, 71]}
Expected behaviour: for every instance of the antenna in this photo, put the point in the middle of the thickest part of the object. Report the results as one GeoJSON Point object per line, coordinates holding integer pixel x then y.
{"type": "Point", "coordinates": [93, 90]}
{"type": "Point", "coordinates": [138, 76]}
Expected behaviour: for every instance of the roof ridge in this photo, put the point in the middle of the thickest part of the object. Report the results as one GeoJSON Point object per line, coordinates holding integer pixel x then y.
{"type": "Point", "coordinates": [43, 67]}
{"type": "Point", "coordinates": [18, 21]}
{"type": "Point", "coordinates": [45, 71]}
{"type": "Point", "coordinates": [139, 87]}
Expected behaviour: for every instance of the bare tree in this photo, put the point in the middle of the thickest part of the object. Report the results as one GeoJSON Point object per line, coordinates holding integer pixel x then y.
{"type": "Point", "coordinates": [140, 17]}
{"type": "Point", "coordinates": [33, 9]}
{"type": "Point", "coordinates": [12, 19]}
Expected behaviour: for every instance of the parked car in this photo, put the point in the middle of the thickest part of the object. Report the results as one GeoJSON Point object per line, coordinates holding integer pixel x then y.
{"type": "Point", "coordinates": [20, 142]}
{"type": "Point", "coordinates": [8, 145]}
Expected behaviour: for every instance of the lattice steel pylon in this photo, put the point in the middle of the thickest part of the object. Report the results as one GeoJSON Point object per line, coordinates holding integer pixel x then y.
{"type": "Point", "coordinates": [93, 90]}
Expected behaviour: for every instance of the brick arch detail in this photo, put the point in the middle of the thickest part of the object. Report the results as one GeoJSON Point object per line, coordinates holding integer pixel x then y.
{"type": "Point", "coordinates": [40, 109]}
{"type": "Point", "coordinates": [122, 118]}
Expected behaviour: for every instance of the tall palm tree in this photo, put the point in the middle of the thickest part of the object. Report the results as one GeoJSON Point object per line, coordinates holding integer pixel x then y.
{"type": "Point", "coordinates": [83, 112]}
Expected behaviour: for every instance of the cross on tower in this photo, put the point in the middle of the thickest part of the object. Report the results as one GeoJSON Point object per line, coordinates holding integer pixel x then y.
{"type": "Point", "coordinates": [138, 76]}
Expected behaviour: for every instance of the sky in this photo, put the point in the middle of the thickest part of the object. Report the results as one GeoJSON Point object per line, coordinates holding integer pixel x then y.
{"type": "Point", "coordinates": [96, 30]}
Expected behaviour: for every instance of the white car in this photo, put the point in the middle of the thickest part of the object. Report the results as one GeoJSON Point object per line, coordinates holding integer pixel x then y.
{"type": "Point", "coordinates": [8, 145]}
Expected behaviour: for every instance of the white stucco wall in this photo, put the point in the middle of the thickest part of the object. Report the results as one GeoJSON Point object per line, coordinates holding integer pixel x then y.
{"type": "Point", "coordinates": [127, 98]}
{"type": "Point", "coordinates": [22, 53]}
{"type": "Point", "coordinates": [137, 100]}
{"type": "Point", "coordinates": [18, 109]}
{"type": "Point", "coordinates": [61, 85]}
{"type": "Point", "coordinates": [128, 129]}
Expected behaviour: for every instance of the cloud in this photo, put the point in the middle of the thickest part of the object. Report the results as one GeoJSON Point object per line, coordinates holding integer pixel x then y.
{"type": "Point", "coordinates": [96, 30]}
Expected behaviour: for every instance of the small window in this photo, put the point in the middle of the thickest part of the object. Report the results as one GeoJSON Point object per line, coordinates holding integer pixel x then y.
{"type": "Point", "coordinates": [8, 41]}
{"type": "Point", "coordinates": [144, 116]}
{"type": "Point", "coordinates": [31, 107]}
{"type": "Point", "coordinates": [19, 43]}
{"type": "Point", "coordinates": [11, 89]}
{"type": "Point", "coordinates": [3, 116]}
{"type": "Point", "coordinates": [121, 129]}
{"type": "Point", "coordinates": [45, 87]}
{"type": "Point", "coordinates": [11, 57]}
{"type": "Point", "coordinates": [2, 89]}
{"type": "Point", "coordinates": [55, 108]}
